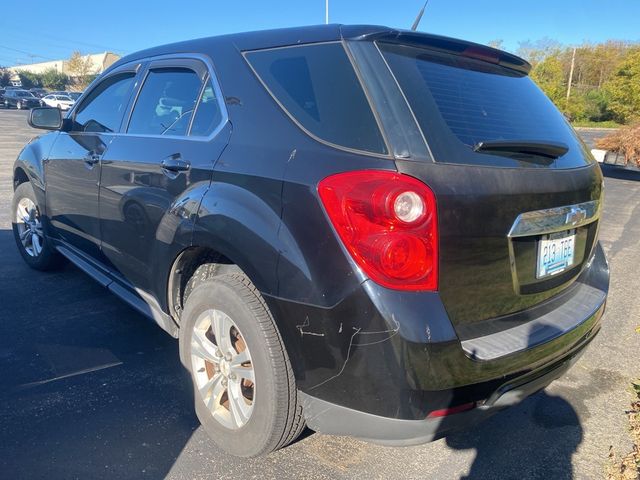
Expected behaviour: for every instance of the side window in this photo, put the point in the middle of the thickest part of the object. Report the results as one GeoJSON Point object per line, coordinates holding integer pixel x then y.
{"type": "Point", "coordinates": [317, 86]}
{"type": "Point", "coordinates": [208, 114]}
{"type": "Point", "coordinates": [102, 110]}
{"type": "Point", "coordinates": [166, 102]}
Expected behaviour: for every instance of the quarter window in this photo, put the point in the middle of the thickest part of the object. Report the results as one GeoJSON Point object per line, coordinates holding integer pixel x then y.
{"type": "Point", "coordinates": [317, 86]}
{"type": "Point", "coordinates": [166, 102]}
{"type": "Point", "coordinates": [103, 109]}
{"type": "Point", "coordinates": [208, 114]}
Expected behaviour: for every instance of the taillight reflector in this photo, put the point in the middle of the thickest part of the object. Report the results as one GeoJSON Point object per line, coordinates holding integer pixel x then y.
{"type": "Point", "coordinates": [452, 410]}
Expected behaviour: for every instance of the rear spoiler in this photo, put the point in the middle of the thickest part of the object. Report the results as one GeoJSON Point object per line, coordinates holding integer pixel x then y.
{"type": "Point", "coordinates": [439, 44]}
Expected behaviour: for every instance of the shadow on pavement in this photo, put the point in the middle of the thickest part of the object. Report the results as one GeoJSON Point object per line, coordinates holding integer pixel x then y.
{"type": "Point", "coordinates": [88, 387]}
{"type": "Point", "coordinates": [535, 439]}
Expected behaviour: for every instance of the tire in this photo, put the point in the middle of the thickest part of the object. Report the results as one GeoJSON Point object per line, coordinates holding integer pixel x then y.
{"type": "Point", "coordinates": [275, 417]}
{"type": "Point", "coordinates": [38, 254]}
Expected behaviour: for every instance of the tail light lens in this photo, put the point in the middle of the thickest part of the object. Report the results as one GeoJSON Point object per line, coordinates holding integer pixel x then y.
{"type": "Point", "coordinates": [388, 223]}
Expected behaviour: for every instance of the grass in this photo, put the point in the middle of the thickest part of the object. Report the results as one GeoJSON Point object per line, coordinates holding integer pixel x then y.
{"type": "Point", "coordinates": [628, 467]}
{"type": "Point", "coordinates": [591, 124]}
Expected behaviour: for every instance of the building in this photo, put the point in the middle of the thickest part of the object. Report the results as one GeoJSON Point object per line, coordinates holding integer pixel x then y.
{"type": "Point", "coordinates": [100, 62]}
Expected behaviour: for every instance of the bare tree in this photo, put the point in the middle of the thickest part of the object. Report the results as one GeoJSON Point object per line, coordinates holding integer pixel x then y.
{"type": "Point", "coordinates": [80, 68]}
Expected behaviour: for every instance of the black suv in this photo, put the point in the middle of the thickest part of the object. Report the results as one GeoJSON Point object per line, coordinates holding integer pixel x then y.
{"type": "Point", "coordinates": [20, 99]}
{"type": "Point", "coordinates": [372, 232]}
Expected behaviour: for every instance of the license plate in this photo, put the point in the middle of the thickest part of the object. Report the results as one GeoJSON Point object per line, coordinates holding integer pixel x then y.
{"type": "Point", "coordinates": [555, 253]}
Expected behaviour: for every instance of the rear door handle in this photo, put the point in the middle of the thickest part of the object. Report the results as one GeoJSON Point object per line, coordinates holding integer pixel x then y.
{"type": "Point", "coordinates": [91, 159]}
{"type": "Point", "coordinates": [175, 165]}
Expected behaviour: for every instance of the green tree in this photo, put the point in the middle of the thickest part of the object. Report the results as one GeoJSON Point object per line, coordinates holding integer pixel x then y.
{"type": "Point", "coordinates": [5, 77]}
{"type": "Point", "coordinates": [29, 79]}
{"type": "Point", "coordinates": [54, 80]}
{"type": "Point", "coordinates": [623, 89]}
{"type": "Point", "coordinates": [549, 76]}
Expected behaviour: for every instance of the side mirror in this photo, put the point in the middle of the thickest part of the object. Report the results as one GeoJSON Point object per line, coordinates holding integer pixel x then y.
{"type": "Point", "coordinates": [46, 118]}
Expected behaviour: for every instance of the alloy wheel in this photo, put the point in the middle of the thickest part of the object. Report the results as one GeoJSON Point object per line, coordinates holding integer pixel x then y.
{"type": "Point", "coordinates": [222, 369]}
{"type": "Point", "coordinates": [29, 227]}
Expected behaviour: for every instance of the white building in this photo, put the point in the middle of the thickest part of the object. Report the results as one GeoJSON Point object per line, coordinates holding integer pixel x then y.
{"type": "Point", "coordinates": [99, 62]}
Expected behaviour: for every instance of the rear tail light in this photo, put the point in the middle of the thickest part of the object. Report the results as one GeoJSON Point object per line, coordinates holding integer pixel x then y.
{"type": "Point", "coordinates": [388, 223]}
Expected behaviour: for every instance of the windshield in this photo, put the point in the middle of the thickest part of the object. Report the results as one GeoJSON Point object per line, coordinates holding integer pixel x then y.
{"type": "Point", "coordinates": [461, 102]}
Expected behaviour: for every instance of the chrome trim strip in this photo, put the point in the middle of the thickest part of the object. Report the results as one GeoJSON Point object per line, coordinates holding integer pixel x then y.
{"type": "Point", "coordinates": [540, 222]}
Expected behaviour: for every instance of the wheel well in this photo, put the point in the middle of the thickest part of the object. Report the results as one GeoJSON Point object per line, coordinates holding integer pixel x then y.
{"type": "Point", "coordinates": [19, 177]}
{"type": "Point", "coordinates": [183, 269]}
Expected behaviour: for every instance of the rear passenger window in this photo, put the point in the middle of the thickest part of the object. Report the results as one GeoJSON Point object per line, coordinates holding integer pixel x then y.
{"type": "Point", "coordinates": [103, 109]}
{"type": "Point", "coordinates": [166, 102]}
{"type": "Point", "coordinates": [318, 87]}
{"type": "Point", "coordinates": [208, 114]}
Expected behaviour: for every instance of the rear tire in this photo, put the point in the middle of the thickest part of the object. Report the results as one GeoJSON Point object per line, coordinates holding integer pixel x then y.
{"type": "Point", "coordinates": [34, 246]}
{"type": "Point", "coordinates": [272, 416]}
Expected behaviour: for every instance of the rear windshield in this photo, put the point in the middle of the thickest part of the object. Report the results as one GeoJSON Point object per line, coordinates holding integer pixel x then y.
{"type": "Point", "coordinates": [460, 102]}
{"type": "Point", "coordinates": [317, 87]}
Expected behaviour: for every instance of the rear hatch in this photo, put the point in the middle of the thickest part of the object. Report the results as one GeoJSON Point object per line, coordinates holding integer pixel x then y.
{"type": "Point", "coordinates": [518, 193]}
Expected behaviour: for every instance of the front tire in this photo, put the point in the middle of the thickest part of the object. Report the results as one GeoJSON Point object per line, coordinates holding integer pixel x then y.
{"type": "Point", "coordinates": [244, 389]}
{"type": "Point", "coordinates": [34, 246]}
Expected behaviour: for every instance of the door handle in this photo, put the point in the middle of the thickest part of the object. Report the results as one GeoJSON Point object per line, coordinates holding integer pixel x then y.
{"type": "Point", "coordinates": [91, 159]}
{"type": "Point", "coordinates": [175, 165]}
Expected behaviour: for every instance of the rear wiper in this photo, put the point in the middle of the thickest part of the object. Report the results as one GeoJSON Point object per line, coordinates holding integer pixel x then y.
{"type": "Point", "coordinates": [544, 149]}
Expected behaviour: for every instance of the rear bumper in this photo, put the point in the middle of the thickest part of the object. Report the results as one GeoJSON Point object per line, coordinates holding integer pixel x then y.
{"type": "Point", "coordinates": [334, 419]}
{"type": "Point", "coordinates": [381, 355]}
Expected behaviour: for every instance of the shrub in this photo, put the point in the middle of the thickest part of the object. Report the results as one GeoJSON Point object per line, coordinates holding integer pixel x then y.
{"type": "Point", "coordinates": [625, 141]}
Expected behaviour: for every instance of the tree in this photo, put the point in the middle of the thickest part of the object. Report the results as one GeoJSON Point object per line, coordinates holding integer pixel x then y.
{"type": "Point", "coordinates": [29, 79]}
{"type": "Point", "coordinates": [623, 89]}
{"type": "Point", "coordinates": [5, 77]}
{"type": "Point", "coordinates": [549, 76]}
{"type": "Point", "coordinates": [535, 52]}
{"type": "Point", "coordinates": [498, 43]}
{"type": "Point", "coordinates": [80, 68]}
{"type": "Point", "coordinates": [54, 80]}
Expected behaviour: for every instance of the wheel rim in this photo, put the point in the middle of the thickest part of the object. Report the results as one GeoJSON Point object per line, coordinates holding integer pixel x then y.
{"type": "Point", "coordinates": [29, 227]}
{"type": "Point", "coordinates": [222, 368]}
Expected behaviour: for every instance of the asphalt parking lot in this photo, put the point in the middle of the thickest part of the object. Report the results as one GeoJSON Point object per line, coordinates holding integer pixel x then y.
{"type": "Point", "coordinates": [90, 389]}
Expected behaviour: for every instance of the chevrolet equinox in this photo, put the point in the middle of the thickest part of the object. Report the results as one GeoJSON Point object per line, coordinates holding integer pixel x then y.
{"type": "Point", "coordinates": [368, 231]}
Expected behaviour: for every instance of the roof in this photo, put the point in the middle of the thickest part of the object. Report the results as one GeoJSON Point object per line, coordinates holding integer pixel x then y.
{"type": "Point", "coordinates": [333, 32]}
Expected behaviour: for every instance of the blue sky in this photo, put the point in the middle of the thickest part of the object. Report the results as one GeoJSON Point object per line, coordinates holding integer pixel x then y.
{"type": "Point", "coordinates": [49, 30]}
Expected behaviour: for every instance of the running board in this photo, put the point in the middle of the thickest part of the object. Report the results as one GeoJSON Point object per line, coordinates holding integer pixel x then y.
{"type": "Point", "coordinates": [140, 301]}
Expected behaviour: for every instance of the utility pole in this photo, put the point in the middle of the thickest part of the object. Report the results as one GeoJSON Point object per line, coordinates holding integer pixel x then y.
{"type": "Point", "coordinates": [326, 12]}
{"type": "Point", "coordinates": [573, 64]}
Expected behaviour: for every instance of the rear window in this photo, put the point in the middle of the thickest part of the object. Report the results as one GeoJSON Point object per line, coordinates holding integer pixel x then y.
{"type": "Point", "coordinates": [317, 86]}
{"type": "Point", "coordinates": [460, 102]}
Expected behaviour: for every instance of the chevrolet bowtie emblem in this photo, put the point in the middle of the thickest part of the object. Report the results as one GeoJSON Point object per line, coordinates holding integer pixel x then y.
{"type": "Point", "coordinates": [575, 216]}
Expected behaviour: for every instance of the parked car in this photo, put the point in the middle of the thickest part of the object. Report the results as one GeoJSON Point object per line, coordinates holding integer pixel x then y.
{"type": "Point", "coordinates": [38, 92]}
{"type": "Point", "coordinates": [63, 102]}
{"type": "Point", "coordinates": [20, 99]}
{"type": "Point", "coordinates": [397, 238]}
